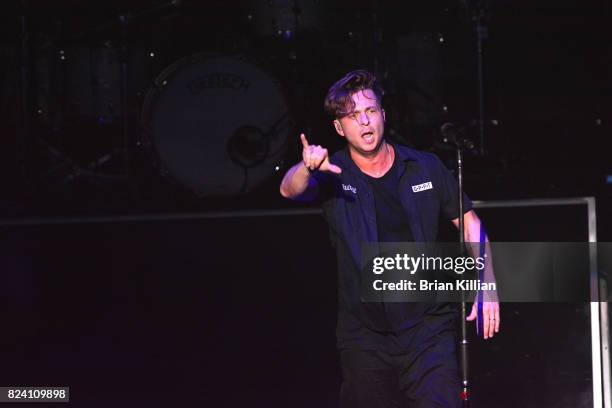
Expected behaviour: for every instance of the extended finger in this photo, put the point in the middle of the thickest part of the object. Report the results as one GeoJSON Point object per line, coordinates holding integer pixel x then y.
{"type": "Point", "coordinates": [304, 141]}
{"type": "Point", "coordinates": [486, 323]}
{"type": "Point", "coordinates": [493, 320]}
{"type": "Point", "coordinates": [497, 319]}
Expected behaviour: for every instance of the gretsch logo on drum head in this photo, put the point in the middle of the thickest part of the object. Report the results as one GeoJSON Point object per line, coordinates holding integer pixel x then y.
{"type": "Point", "coordinates": [216, 81]}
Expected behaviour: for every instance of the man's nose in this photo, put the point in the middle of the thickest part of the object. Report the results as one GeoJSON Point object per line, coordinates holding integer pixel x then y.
{"type": "Point", "coordinates": [364, 119]}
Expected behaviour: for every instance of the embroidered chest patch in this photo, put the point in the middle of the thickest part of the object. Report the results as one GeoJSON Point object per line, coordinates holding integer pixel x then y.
{"type": "Point", "coordinates": [422, 187]}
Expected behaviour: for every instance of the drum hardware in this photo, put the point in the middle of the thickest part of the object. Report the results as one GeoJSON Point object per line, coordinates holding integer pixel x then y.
{"type": "Point", "coordinates": [284, 19]}
{"type": "Point", "coordinates": [124, 21]}
{"type": "Point", "coordinates": [249, 146]}
{"type": "Point", "coordinates": [67, 170]}
{"type": "Point", "coordinates": [90, 100]}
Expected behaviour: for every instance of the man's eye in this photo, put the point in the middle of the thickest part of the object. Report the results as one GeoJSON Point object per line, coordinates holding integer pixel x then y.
{"type": "Point", "coordinates": [371, 110]}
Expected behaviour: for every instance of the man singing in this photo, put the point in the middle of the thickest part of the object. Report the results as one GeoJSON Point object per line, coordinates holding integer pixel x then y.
{"type": "Point", "coordinates": [392, 354]}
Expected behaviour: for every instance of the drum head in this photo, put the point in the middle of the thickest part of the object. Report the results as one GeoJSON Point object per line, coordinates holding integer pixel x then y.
{"type": "Point", "coordinates": [217, 125]}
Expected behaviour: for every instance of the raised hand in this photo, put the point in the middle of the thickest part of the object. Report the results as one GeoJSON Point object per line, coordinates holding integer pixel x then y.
{"type": "Point", "coordinates": [316, 157]}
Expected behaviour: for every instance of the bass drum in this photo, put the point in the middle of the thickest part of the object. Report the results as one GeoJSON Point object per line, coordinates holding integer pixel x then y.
{"type": "Point", "coordinates": [218, 125]}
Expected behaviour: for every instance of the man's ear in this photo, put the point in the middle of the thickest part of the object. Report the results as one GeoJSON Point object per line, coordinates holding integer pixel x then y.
{"type": "Point", "coordinates": [338, 127]}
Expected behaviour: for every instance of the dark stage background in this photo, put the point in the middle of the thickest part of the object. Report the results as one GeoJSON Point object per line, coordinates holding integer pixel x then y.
{"type": "Point", "coordinates": [241, 311]}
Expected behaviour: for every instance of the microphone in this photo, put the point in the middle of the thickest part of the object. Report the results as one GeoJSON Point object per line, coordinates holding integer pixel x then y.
{"type": "Point", "coordinates": [453, 135]}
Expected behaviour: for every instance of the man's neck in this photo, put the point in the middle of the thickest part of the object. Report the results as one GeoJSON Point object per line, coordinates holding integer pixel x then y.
{"type": "Point", "coordinates": [375, 163]}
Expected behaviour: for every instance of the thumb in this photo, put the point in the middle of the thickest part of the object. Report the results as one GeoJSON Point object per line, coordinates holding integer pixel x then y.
{"type": "Point", "coordinates": [474, 313]}
{"type": "Point", "coordinates": [329, 167]}
{"type": "Point", "coordinates": [334, 169]}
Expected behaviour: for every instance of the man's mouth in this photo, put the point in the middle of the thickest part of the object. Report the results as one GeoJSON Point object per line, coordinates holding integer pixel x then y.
{"type": "Point", "coordinates": [368, 136]}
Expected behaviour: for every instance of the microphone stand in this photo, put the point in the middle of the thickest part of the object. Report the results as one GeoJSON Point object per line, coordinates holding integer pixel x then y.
{"type": "Point", "coordinates": [463, 343]}
{"type": "Point", "coordinates": [481, 35]}
{"type": "Point", "coordinates": [480, 16]}
{"type": "Point", "coordinates": [454, 137]}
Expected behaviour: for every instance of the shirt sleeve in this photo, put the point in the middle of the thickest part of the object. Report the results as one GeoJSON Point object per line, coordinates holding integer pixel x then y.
{"type": "Point", "coordinates": [449, 202]}
{"type": "Point", "coordinates": [324, 198]}
{"type": "Point", "coordinates": [325, 186]}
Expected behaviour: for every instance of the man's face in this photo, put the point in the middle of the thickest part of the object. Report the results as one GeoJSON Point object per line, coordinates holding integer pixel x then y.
{"type": "Point", "coordinates": [365, 125]}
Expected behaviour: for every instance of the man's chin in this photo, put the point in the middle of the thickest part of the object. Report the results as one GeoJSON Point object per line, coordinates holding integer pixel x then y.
{"type": "Point", "coordinates": [372, 146]}
{"type": "Point", "coordinates": [366, 148]}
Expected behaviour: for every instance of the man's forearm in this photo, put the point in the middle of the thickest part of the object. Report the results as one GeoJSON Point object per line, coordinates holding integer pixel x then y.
{"type": "Point", "coordinates": [478, 246]}
{"type": "Point", "coordinates": [296, 181]}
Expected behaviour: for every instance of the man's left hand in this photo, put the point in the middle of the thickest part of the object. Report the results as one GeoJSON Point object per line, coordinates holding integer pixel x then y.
{"type": "Point", "coordinates": [490, 316]}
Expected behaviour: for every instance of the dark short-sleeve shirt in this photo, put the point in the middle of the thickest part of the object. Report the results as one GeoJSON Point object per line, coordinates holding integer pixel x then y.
{"type": "Point", "coordinates": [426, 191]}
{"type": "Point", "coordinates": [391, 221]}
